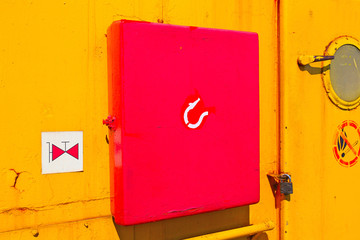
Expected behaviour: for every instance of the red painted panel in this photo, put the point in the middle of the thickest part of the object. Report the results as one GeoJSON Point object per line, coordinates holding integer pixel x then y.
{"type": "Point", "coordinates": [186, 134]}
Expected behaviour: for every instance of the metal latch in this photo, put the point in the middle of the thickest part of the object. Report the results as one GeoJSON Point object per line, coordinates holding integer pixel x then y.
{"type": "Point", "coordinates": [307, 59]}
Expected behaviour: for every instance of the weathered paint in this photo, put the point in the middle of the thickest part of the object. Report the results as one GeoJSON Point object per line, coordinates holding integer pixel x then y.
{"type": "Point", "coordinates": [53, 77]}
{"type": "Point", "coordinates": [96, 228]}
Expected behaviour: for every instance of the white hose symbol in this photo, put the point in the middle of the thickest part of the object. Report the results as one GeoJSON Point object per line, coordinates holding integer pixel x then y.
{"type": "Point", "coordinates": [190, 107]}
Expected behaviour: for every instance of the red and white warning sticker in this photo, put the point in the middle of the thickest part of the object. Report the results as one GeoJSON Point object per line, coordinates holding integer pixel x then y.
{"type": "Point", "coordinates": [346, 146]}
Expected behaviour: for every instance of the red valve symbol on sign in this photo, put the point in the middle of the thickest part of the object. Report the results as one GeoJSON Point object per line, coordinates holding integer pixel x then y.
{"type": "Point", "coordinates": [55, 151]}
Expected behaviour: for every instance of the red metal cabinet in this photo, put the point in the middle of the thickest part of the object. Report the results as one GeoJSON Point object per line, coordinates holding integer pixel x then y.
{"type": "Point", "coordinates": [185, 138]}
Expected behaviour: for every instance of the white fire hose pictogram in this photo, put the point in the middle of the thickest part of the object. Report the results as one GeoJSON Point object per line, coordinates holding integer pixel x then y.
{"type": "Point", "coordinates": [188, 109]}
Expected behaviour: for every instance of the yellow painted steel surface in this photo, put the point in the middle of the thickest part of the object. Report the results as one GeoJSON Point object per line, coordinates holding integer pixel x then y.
{"type": "Point", "coordinates": [53, 77]}
{"type": "Point", "coordinates": [325, 203]}
{"type": "Point", "coordinates": [96, 228]}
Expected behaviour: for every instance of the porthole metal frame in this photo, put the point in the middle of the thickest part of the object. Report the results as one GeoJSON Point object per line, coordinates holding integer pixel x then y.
{"type": "Point", "coordinates": [330, 51]}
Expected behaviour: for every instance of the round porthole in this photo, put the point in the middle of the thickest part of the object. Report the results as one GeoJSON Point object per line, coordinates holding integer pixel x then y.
{"type": "Point", "coordinates": [342, 80]}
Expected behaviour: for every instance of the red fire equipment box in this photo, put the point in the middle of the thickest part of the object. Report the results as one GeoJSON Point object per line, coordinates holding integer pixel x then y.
{"type": "Point", "coordinates": [184, 125]}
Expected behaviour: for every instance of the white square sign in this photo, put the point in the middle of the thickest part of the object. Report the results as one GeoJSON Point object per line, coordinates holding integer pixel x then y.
{"type": "Point", "coordinates": [61, 152]}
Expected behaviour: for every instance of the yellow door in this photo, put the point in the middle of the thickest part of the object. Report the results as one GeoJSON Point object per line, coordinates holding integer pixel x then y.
{"type": "Point", "coordinates": [319, 120]}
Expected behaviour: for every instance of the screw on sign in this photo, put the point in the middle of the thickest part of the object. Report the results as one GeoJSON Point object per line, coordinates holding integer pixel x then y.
{"type": "Point", "coordinates": [346, 146]}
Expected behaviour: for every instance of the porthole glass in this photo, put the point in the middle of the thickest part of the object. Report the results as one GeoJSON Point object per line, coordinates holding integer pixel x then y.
{"type": "Point", "coordinates": [345, 74]}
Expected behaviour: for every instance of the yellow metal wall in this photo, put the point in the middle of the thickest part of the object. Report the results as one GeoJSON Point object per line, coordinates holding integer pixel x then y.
{"type": "Point", "coordinates": [325, 203]}
{"type": "Point", "coordinates": [53, 77]}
